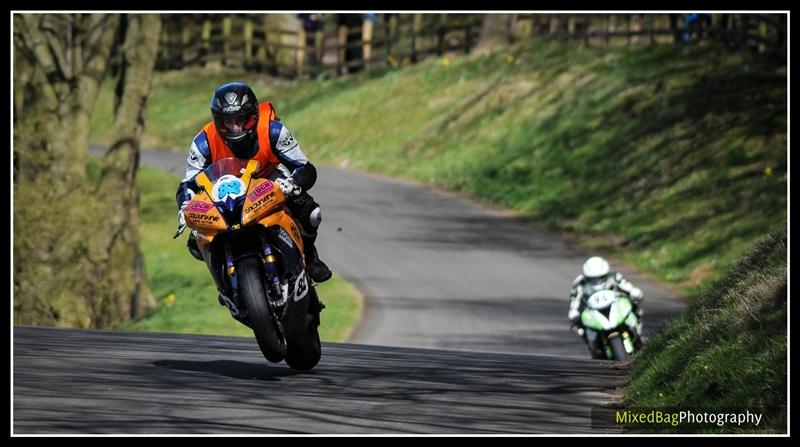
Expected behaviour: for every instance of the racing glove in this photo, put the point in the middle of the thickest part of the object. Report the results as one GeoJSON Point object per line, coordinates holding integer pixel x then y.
{"type": "Point", "coordinates": [288, 186]}
{"type": "Point", "coordinates": [181, 218]}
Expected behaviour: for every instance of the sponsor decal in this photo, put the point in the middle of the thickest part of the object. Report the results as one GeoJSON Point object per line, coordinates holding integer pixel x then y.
{"type": "Point", "coordinates": [230, 97]}
{"type": "Point", "coordinates": [300, 286]}
{"type": "Point", "coordinates": [260, 190]}
{"type": "Point", "coordinates": [285, 238]}
{"type": "Point", "coordinates": [231, 109]}
{"type": "Point", "coordinates": [232, 188]}
{"type": "Point", "coordinates": [287, 141]}
{"type": "Point", "coordinates": [228, 186]}
{"type": "Point", "coordinates": [203, 217]}
{"type": "Point", "coordinates": [200, 207]}
{"type": "Point", "coordinates": [257, 205]}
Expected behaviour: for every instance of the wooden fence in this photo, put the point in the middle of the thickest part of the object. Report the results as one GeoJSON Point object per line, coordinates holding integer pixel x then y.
{"type": "Point", "coordinates": [764, 33]}
{"type": "Point", "coordinates": [255, 42]}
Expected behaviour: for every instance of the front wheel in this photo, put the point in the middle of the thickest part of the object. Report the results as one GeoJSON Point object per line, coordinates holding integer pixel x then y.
{"type": "Point", "coordinates": [251, 284]}
{"type": "Point", "coordinates": [618, 348]}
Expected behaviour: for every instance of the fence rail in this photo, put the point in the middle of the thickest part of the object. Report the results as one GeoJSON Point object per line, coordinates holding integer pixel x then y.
{"type": "Point", "coordinates": [250, 42]}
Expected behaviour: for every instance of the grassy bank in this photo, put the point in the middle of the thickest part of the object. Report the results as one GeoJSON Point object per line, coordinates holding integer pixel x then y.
{"type": "Point", "coordinates": [186, 296]}
{"type": "Point", "coordinates": [671, 158]}
{"type": "Point", "coordinates": [730, 350]}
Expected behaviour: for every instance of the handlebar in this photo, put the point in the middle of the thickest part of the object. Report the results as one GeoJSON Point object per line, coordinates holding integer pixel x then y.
{"type": "Point", "coordinates": [179, 232]}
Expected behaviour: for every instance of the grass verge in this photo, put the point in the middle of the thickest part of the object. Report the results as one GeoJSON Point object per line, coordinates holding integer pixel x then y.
{"type": "Point", "coordinates": [729, 351]}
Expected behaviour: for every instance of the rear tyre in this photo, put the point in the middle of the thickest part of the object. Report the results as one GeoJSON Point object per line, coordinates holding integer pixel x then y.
{"type": "Point", "coordinates": [304, 352]}
{"type": "Point", "coordinates": [251, 284]}
{"type": "Point", "coordinates": [618, 348]}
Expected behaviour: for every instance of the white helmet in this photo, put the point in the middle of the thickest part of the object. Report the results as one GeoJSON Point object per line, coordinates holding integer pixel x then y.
{"type": "Point", "coordinates": [595, 270]}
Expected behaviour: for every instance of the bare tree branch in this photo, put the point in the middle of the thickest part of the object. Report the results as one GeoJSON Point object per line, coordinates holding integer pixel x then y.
{"type": "Point", "coordinates": [100, 30]}
{"type": "Point", "coordinates": [53, 35]}
{"type": "Point", "coordinates": [30, 43]}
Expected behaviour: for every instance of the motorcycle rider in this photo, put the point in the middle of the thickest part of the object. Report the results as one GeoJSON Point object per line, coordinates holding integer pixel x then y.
{"type": "Point", "coordinates": [244, 129]}
{"type": "Point", "coordinates": [596, 275]}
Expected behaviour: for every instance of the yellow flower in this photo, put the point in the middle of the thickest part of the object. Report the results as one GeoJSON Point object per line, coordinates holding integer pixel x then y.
{"type": "Point", "coordinates": [170, 299]}
{"type": "Point", "coordinates": [768, 171]}
{"type": "Point", "coordinates": [509, 59]}
{"type": "Point", "coordinates": [446, 61]}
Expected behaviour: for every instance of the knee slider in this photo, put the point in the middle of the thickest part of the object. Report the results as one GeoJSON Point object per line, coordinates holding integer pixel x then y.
{"type": "Point", "coordinates": [315, 217]}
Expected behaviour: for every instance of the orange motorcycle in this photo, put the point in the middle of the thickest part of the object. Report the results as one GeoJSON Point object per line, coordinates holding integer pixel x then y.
{"type": "Point", "coordinates": [253, 249]}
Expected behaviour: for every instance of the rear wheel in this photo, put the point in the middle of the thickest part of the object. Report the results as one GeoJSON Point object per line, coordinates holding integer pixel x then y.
{"type": "Point", "coordinates": [304, 352]}
{"type": "Point", "coordinates": [250, 274]}
{"type": "Point", "coordinates": [618, 348]}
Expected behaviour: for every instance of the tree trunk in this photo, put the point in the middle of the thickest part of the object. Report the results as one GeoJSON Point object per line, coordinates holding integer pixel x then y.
{"type": "Point", "coordinates": [118, 239]}
{"type": "Point", "coordinates": [495, 31]}
{"type": "Point", "coordinates": [76, 241]}
{"type": "Point", "coordinates": [59, 64]}
{"type": "Point", "coordinates": [65, 56]}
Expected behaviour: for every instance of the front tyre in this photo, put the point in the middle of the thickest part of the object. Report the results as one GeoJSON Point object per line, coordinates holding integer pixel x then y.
{"type": "Point", "coordinates": [618, 348]}
{"type": "Point", "coordinates": [250, 273]}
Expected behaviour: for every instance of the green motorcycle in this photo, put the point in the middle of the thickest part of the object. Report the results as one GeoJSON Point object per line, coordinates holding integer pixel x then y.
{"type": "Point", "coordinates": [612, 328]}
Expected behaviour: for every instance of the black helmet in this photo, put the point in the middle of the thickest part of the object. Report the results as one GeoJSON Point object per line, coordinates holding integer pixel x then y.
{"type": "Point", "coordinates": [235, 110]}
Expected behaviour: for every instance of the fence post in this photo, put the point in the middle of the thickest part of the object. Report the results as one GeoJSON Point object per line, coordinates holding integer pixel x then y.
{"type": "Point", "coordinates": [388, 36]}
{"type": "Point", "coordinates": [415, 28]}
{"type": "Point", "coordinates": [342, 46]}
{"type": "Point", "coordinates": [440, 33]}
{"type": "Point", "coordinates": [261, 53]}
{"type": "Point", "coordinates": [319, 50]}
{"type": "Point", "coordinates": [628, 30]}
{"type": "Point", "coordinates": [300, 54]}
{"type": "Point", "coordinates": [366, 41]}
{"type": "Point", "coordinates": [226, 34]}
{"type": "Point", "coordinates": [468, 38]}
{"type": "Point", "coordinates": [587, 29]}
{"type": "Point", "coordinates": [248, 41]}
{"type": "Point", "coordinates": [186, 36]}
{"type": "Point", "coordinates": [553, 26]}
{"type": "Point", "coordinates": [673, 26]}
{"type": "Point", "coordinates": [571, 26]}
{"type": "Point", "coordinates": [205, 36]}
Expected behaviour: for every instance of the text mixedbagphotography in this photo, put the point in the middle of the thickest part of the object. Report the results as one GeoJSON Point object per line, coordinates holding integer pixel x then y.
{"type": "Point", "coordinates": [676, 417]}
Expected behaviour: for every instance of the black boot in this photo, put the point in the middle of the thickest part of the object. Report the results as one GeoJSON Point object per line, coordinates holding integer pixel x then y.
{"type": "Point", "coordinates": [317, 270]}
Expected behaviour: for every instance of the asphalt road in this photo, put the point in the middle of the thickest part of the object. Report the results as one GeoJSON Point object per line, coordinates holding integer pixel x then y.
{"type": "Point", "coordinates": [69, 381]}
{"type": "Point", "coordinates": [485, 293]}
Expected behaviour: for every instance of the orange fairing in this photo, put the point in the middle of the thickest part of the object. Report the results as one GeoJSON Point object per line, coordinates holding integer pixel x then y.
{"type": "Point", "coordinates": [263, 196]}
{"type": "Point", "coordinates": [285, 220]}
{"type": "Point", "coordinates": [202, 215]}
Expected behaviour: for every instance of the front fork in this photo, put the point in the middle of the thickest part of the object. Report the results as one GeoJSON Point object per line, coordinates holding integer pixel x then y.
{"type": "Point", "coordinates": [272, 281]}
{"type": "Point", "coordinates": [271, 274]}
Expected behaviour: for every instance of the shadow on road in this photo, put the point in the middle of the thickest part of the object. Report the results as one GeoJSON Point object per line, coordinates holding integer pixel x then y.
{"type": "Point", "coordinates": [230, 368]}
